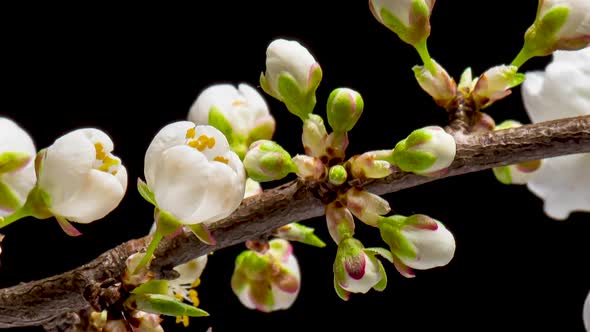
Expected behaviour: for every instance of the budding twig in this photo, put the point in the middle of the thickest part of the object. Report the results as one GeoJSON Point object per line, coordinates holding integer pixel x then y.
{"type": "Point", "coordinates": [40, 302]}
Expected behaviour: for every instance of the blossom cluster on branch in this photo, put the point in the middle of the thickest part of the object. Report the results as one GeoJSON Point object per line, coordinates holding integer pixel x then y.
{"type": "Point", "coordinates": [199, 171]}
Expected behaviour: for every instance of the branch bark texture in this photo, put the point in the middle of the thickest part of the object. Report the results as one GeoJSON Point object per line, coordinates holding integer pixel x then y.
{"type": "Point", "coordinates": [96, 283]}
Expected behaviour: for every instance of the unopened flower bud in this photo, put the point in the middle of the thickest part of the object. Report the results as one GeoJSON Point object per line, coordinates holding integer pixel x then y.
{"type": "Point", "coordinates": [417, 242]}
{"type": "Point", "coordinates": [267, 281]}
{"type": "Point", "coordinates": [337, 175]}
{"type": "Point", "coordinates": [292, 76]}
{"type": "Point", "coordinates": [344, 108]}
{"type": "Point", "coordinates": [366, 206]}
{"type": "Point", "coordinates": [520, 173]}
{"type": "Point", "coordinates": [355, 271]}
{"type": "Point", "coordinates": [146, 322]}
{"type": "Point", "coordinates": [340, 221]}
{"type": "Point", "coordinates": [314, 136]}
{"type": "Point", "coordinates": [559, 25]}
{"type": "Point", "coordinates": [268, 161]}
{"type": "Point", "coordinates": [495, 84]}
{"type": "Point", "coordinates": [439, 85]}
{"type": "Point", "coordinates": [309, 168]}
{"type": "Point", "coordinates": [427, 151]}
{"type": "Point", "coordinates": [369, 165]}
{"type": "Point", "coordinates": [409, 19]}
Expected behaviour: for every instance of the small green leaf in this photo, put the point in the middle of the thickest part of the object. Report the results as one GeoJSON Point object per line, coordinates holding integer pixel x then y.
{"type": "Point", "coordinates": [152, 287]}
{"type": "Point", "coordinates": [145, 192]}
{"type": "Point", "coordinates": [12, 161]}
{"type": "Point", "coordinates": [382, 284]}
{"type": "Point", "coordinates": [218, 120]}
{"type": "Point", "coordinates": [202, 232]}
{"type": "Point", "coordinates": [166, 305]}
{"type": "Point", "coordinates": [8, 199]}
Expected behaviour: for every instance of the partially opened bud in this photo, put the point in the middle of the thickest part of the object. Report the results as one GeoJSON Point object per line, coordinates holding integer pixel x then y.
{"type": "Point", "coordinates": [340, 221]}
{"type": "Point", "coordinates": [369, 165]}
{"type": "Point", "coordinates": [267, 281]}
{"type": "Point", "coordinates": [344, 108]}
{"type": "Point", "coordinates": [495, 84]}
{"type": "Point", "coordinates": [309, 168]}
{"type": "Point", "coordinates": [520, 173]}
{"type": "Point", "coordinates": [366, 206]}
{"type": "Point", "coordinates": [427, 151]}
{"type": "Point", "coordinates": [314, 136]}
{"type": "Point", "coordinates": [559, 25]}
{"type": "Point", "coordinates": [240, 114]}
{"type": "Point", "coordinates": [292, 76]}
{"type": "Point", "coordinates": [418, 241]}
{"type": "Point", "coordinates": [409, 19]}
{"type": "Point", "coordinates": [439, 85]}
{"type": "Point", "coordinates": [79, 177]}
{"type": "Point", "coordinates": [354, 270]}
{"type": "Point", "coordinates": [268, 161]}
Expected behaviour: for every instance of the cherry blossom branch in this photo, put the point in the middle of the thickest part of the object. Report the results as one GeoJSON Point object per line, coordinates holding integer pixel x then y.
{"type": "Point", "coordinates": [55, 300]}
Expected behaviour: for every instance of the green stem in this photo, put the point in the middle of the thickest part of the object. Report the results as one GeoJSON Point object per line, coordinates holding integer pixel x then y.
{"type": "Point", "coordinates": [23, 212]}
{"type": "Point", "coordinates": [422, 49]}
{"type": "Point", "coordinates": [149, 251]}
{"type": "Point", "coordinates": [522, 57]}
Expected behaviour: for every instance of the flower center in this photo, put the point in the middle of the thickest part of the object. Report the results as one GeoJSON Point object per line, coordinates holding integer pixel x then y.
{"type": "Point", "coordinates": [203, 142]}
{"type": "Point", "coordinates": [105, 162]}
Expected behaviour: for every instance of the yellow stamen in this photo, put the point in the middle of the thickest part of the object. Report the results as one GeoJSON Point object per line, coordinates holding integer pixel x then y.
{"type": "Point", "coordinates": [178, 296]}
{"type": "Point", "coordinates": [192, 294]}
{"type": "Point", "coordinates": [191, 133]}
{"type": "Point", "coordinates": [238, 103]}
{"type": "Point", "coordinates": [107, 162]}
{"type": "Point", "coordinates": [196, 283]}
{"type": "Point", "coordinates": [202, 143]}
{"type": "Point", "coordinates": [185, 321]}
{"type": "Point", "coordinates": [221, 159]}
{"type": "Point", "coordinates": [100, 154]}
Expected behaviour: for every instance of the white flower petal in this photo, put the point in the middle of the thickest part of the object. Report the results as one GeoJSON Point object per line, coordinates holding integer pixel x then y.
{"type": "Point", "coordinates": [586, 313]}
{"type": "Point", "coordinates": [101, 193]}
{"type": "Point", "coordinates": [563, 182]}
{"type": "Point", "coordinates": [190, 271]}
{"type": "Point", "coordinates": [183, 175]}
{"type": "Point", "coordinates": [562, 90]}
{"type": "Point", "coordinates": [66, 166]}
{"type": "Point", "coordinates": [221, 96]}
{"type": "Point", "coordinates": [171, 135]}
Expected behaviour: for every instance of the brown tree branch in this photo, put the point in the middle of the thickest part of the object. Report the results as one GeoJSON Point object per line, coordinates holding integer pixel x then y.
{"type": "Point", "coordinates": [96, 284]}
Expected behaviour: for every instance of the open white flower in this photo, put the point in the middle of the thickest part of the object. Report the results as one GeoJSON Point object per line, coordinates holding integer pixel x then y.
{"type": "Point", "coordinates": [561, 91]}
{"type": "Point", "coordinates": [17, 172]}
{"type": "Point", "coordinates": [183, 287]}
{"type": "Point", "coordinates": [243, 109]}
{"type": "Point", "coordinates": [193, 174]}
{"type": "Point", "coordinates": [82, 179]}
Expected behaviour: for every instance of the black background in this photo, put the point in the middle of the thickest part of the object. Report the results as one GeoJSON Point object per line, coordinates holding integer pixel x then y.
{"type": "Point", "coordinates": [129, 71]}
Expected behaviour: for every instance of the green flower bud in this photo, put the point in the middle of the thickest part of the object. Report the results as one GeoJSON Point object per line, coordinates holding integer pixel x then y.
{"type": "Point", "coordinates": [337, 175]}
{"type": "Point", "coordinates": [344, 108]}
{"type": "Point", "coordinates": [268, 161]}
{"type": "Point", "coordinates": [426, 151]}
{"type": "Point", "coordinates": [314, 136]}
